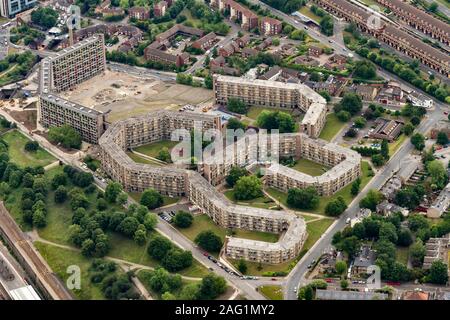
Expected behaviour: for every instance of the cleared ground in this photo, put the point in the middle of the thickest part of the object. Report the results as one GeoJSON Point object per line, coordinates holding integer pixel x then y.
{"type": "Point", "coordinates": [128, 96]}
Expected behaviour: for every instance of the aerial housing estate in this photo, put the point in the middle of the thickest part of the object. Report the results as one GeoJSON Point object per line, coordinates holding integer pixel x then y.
{"type": "Point", "coordinates": [64, 71]}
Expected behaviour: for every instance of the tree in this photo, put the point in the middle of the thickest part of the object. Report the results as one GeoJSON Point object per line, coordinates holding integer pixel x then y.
{"type": "Point", "coordinates": [44, 17]}
{"type": "Point", "coordinates": [151, 199]}
{"type": "Point", "coordinates": [360, 122]}
{"type": "Point", "coordinates": [208, 79]}
{"type": "Point", "coordinates": [343, 116]}
{"type": "Point", "coordinates": [113, 189]}
{"type": "Point", "coordinates": [385, 149]}
{"type": "Point", "coordinates": [408, 129]}
{"type": "Point", "coordinates": [438, 273]}
{"type": "Point", "coordinates": [209, 241]}
{"type": "Point", "coordinates": [355, 187]}
{"type": "Point", "coordinates": [335, 207]}
{"type": "Point", "coordinates": [31, 146]}
{"type": "Point", "coordinates": [183, 219]}
{"type": "Point", "coordinates": [122, 198]}
{"type": "Point", "coordinates": [237, 106]}
{"type": "Point", "coordinates": [351, 103]}
{"type": "Point", "coordinates": [341, 267]}
{"type": "Point", "coordinates": [276, 120]}
{"type": "Point", "coordinates": [60, 194]}
{"type": "Point", "coordinates": [365, 69]}
{"type": "Point", "coordinates": [371, 200]}
{"type": "Point", "coordinates": [140, 237]}
{"type": "Point", "coordinates": [39, 219]}
{"type": "Point", "coordinates": [418, 141]}
{"type": "Point", "coordinates": [234, 124]}
{"type": "Point", "coordinates": [344, 284]}
{"type": "Point", "coordinates": [128, 226]}
{"type": "Point", "coordinates": [306, 293]}
{"type": "Point", "coordinates": [235, 174]}
{"type": "Point", "coordinates": [307, 198]}
{"type": "Point", "coordinates": [248, 187]}
{"type": "Point", "coordinates": [177, 259]}
{"type": "Point", "coordinates": [211, 287]}
{"type": "Point", "coordinates": [59, 179]}
{"type": "Point", "coordinates": [437, 173]}
{"type": "Point", "coordinates": [66, 135]}
{"type": "Point", "coordinates": [404, 237]}
{"type": "Point", "coordinates": [417, 253]}
{"type": "Point", "coordinates": [388, 232]}
{"type": "Point", "coordinates": [158, 247]}
{"type": "Point", "coordinates": [164, 155]}
{"type": "Point", "coordinates": [150, 221]}
{"type": "Point", "coordinates": [442, 138]}
{"type": "Point", "coordinates": [242, 266]}
{"type": "Point", "coordinates": [377, 160]}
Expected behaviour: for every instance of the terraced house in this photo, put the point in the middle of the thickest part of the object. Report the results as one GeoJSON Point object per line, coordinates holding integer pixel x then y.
{"type": "Point", "coordinates": [389, 34]}
{"type": "Point", "coordinates": [419, 19]}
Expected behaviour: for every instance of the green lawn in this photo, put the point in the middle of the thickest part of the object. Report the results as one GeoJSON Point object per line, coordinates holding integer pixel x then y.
{"type": "Point", "coordinates": [253, 112]}
{"type": "Point", "coordinates": [261, 202]}
{"type": "Point", "coordinates": [272, 292]}
{"type": "Point", "coordinates": [16, 142]}
{"type": "Point", "coordinates": [315, 230]}
{"type": "Point", "coordinates": [402, 254]}
{"type": "Point", "coordinates": [344, 192]}
{"type": "Point", "coordinates": [59, 259]}
{"type": "Point", "coordinates": [152, 149]}
{"type": "Point", "coordinates": [306, 11]}
{"type": "Point", "coordinates": [139, 159]}
{"type": "Point", "coordinates": [332, 126]}
{"type": "Point", "coordinates": [393, 147]}
{"type": "Point", "coordinates": [310, 167]}
{"type": "Point", "coordinates": [203, 222]}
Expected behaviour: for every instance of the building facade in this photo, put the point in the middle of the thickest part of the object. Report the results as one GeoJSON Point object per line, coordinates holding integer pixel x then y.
{"type": "Point", "coordinates": [172, 181]}
{"type": "Point", "coordinates": [64, 71]}
{"type": "Point", "coordinates": [274, 94]}
{"type": "Point", "coordinates": [9, 8]}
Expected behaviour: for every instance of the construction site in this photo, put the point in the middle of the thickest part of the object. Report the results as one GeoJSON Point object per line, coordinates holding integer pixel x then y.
{"type": "Point", "coordinates": [125, 95]}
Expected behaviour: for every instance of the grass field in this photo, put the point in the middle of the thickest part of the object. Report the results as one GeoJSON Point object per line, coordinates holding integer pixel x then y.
{"type": "Point", "coordinates": [393, 147]}
{"type": "Point", "coordinates": [203, 222]}
{"type": "Point", "coordinates": [315, 230]}
{"type": "Point", "coordinates": [272, 292]}
{"type": "Point", "coordinates": [16, 142]}
{"type": "Point", "coordinates": [307, 12]}
{"type": "Point", "coordinates": [332, 126]}
{"type": "Point", "coordinates": [344, 192]}
{"type": "Point", "coordinates": [152, 149]}
{"type": "Point", "coordinates": [59, 259]}
{"type": "Point", "coordinates": [139, 159]}
{"type": "Point", "coordinates": [261, 202]}
{"type": "Point", "coordinates": [309, 167]}
{"type": "Point", "coordinates": [253, 112]}
{"type": "Point", "coordinates": [402, 255]}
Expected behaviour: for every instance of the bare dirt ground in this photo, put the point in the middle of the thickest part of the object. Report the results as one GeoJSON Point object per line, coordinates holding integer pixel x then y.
{"type": "Point", "coordinates": [128, 96]}
{"type": "Point", "coordinates": [26, 117]}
